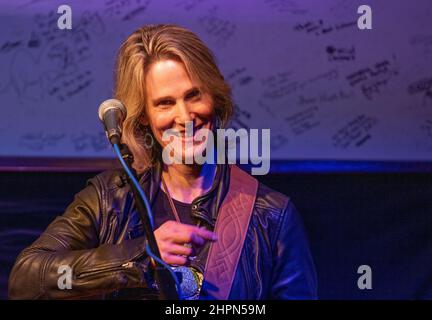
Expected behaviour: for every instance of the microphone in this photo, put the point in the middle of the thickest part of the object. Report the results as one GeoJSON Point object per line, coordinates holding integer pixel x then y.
{"type": "Point", "coordinates": [112, 114]}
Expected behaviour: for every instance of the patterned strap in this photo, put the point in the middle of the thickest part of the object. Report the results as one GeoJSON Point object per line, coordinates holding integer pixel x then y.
{"type": "Point", "coordinates": [231, 228]}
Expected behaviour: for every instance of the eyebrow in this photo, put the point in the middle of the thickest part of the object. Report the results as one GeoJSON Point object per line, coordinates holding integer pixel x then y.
{"type": "Point", "coordinates": [157, 100]}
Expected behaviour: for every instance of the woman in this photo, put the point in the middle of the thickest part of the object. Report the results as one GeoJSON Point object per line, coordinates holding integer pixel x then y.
{"type": "Point", "coordinates": [167, 78]}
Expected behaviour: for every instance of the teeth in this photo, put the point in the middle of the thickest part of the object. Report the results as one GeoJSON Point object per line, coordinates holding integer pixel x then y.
{"type": "Point", "coordinates": [183, 134]}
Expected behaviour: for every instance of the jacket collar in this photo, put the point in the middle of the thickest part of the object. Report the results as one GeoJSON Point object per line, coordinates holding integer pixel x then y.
{"type": "Point", "coordinates": [205, 208]}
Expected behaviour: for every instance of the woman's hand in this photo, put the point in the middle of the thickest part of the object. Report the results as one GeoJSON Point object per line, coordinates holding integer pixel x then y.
{"type": "Point", "coordinates": [172, 236]}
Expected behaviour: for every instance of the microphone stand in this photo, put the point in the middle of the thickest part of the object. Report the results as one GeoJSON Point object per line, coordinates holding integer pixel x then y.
{"type": "Point", "coordinates": [164, 280]}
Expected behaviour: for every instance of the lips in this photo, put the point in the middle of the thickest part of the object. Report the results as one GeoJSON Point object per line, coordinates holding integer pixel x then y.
{"type": "Point", "coordinates": [190, 139]}
{"type": "Point", "coordinates": [195, 129]}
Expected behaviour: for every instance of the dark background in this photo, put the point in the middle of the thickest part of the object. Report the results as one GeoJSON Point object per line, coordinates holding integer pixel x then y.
{"type": "Point", "coordinates": [379, 219]}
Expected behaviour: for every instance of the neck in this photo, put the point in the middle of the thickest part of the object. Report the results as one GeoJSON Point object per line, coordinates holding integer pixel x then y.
{"type": "Point", "coordinates": [186, 182]}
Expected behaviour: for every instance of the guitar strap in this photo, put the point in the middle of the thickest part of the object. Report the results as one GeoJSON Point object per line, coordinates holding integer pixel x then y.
{"type": "Point", "coordinates": [231, 228]}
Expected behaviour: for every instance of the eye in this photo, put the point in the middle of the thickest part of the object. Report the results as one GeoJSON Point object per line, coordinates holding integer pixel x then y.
{"type": "Point", "coordinates": [193, 94]}
{"type": "Point", "coordinates": [165, 103]}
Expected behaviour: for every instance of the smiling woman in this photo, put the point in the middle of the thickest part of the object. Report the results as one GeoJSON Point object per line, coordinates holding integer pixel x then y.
{"type": "Point", "coordinates": [180, 72]}
{"type": "Point", "coordinates": [230, 236]}
{"type": "Point", "coordinates": [173, 100]}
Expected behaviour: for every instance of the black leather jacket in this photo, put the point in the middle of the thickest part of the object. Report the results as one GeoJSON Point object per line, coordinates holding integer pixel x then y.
{"type": "Point", "coordinates": [100, 237]}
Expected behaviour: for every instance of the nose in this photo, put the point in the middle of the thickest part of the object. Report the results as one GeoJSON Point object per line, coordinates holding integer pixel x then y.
{"type": "Point", "coordinates": [184, 114]}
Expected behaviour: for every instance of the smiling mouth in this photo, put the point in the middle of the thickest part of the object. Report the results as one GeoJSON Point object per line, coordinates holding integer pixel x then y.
{"type": "Point", "coordinates": [182, 134]}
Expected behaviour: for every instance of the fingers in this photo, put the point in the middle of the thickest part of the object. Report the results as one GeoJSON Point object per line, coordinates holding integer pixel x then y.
{"type": "Point", "coordinates": [176, 254]}
{"type": "Point", "coordinates": [186, 229]}
{"type": "Point", "coordinates": [181, 250]}
{"type": "Point", "coordinates": [189, 237]}
{"type": "Point", "coordinates": [172, 236]}
{"type": "Point", "coordinates": [206, 234]}
{"type": "Point", "coordinates": [193, 234]}
{"type": "Point", "coordinates": [175, 259]}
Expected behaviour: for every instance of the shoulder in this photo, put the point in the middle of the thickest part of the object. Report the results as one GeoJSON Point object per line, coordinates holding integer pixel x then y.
{"type": "Point", "coordinates": [266, 197]}
{"type": "Point", "coordinates": [114, 179]}
{"type": "Point", "coordinates": [271, 208]}
{"type": "Point", "coordinates": [271, 199]}
{"type": "Point", "coordinates": [274, 217]}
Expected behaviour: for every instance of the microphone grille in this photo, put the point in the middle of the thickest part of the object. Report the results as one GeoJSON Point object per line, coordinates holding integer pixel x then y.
{"type": "Point", "coordinates": [111, 104]}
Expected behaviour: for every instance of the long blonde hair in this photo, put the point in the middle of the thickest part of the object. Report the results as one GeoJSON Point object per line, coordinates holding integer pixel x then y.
{"type": "Point", "coordinates": [145, 46]}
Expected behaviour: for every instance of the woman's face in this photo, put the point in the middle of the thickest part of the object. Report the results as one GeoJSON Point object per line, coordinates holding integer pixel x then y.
{"type": "Point", "coordinates": [173, 99]}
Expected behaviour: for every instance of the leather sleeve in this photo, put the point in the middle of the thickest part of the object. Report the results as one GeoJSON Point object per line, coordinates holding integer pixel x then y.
{"type": "Point", "coordinates": [72, 241]}
{"type": "Point", "coordinates": [294, 275]}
